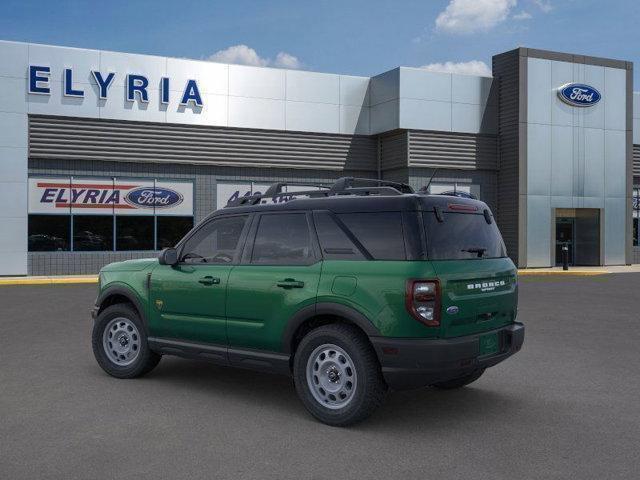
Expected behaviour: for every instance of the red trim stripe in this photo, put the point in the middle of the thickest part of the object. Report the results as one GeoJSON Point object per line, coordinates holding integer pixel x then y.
{"type": "Point", "coordinates": [85, 185]}
{"type": "Point", "coordinates": [93, 205]}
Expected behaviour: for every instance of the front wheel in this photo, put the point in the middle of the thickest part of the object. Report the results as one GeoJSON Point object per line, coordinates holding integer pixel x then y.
{"type": "Point", "coordinates": [120, 344]}
{"type": "Point", "coordinates": [337, 375]}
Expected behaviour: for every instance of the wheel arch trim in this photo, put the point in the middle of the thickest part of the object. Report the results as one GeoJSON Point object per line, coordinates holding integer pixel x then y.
{"type": "Point", "coordinates": [129, 294]}
{"type": "Point", "coordinates": [350, 314]}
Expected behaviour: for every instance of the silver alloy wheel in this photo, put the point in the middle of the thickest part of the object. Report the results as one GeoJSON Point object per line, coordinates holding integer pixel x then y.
{"type": "Point", "coordinates": [331, 376]}
{"type": "Point", "coordinates": [121, 341]}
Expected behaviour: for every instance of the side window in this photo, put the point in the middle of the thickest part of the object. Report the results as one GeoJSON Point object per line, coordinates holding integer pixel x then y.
{"type": "Point", "coordinates": [216, 242]}
{"type": "Point", "coordinates": [282, 239]}
{"type": "Point", "coordinates": [334, 242]}
{"type": "Point", "coordinates": [380, 233]}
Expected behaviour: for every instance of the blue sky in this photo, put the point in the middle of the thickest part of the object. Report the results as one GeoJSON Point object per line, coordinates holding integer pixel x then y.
{"type": "Point", "coordinates": [352, 37]}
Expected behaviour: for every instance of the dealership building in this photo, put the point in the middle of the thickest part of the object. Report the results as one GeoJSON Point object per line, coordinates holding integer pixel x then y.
{"type": "Point", "coordinates": [108, 156]}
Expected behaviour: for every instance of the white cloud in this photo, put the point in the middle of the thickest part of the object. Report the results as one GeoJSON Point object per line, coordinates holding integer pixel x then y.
{"type": "Point", "coordinates": [244, 55]}
{"type": "Point", "coordinates": [468, 16]}
{"type": "Point", "coordinates": [523, 15]}
{"type": "Point", "coordinates": [543, 5]}
{"type": "Point", "coordinates": [286, 60]}
{"type": "Point", "coordinates": [473, 67]}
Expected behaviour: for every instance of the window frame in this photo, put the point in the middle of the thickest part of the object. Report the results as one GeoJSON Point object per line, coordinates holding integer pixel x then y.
{"type": "Point", "coordinates": [195, 230]}
{"type": "Point", "coordinates": [247, 253]}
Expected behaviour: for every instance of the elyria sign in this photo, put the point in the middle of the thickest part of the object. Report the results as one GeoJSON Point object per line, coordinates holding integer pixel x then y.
{"type": "Point", "coordinates": [137, 86]}
{"type": "Point", "coordinates": [579, 95]}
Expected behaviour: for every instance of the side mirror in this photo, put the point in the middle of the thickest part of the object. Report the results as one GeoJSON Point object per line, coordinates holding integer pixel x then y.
{"type": "Point", "coordinates": [168, 256]}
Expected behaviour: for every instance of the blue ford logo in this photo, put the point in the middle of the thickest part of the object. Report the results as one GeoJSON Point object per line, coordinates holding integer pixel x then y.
{"type": "Point", "coordinates": [579, 95]}
{"type": "Point", "coordinates": [149, 197]}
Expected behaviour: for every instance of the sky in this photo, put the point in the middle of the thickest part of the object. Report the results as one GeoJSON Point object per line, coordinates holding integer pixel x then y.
{"type": "Point", "coordinates": [359, 37]}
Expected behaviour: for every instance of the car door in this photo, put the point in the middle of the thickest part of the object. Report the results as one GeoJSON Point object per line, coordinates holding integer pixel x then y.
{"type": "Point", "coordinates": [278, 275]}
{"type": "Point", "coordinates": [188, 299]}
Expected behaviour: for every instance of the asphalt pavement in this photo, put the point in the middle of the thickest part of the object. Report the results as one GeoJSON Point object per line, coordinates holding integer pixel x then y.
{"type": "Point", "coordinates": [566, 407]}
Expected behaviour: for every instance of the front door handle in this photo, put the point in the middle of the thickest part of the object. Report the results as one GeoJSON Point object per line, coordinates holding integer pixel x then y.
{"type": "Point", "coordinates": [209, 280]}
{"type": "Point", "coordinates": [290, 283]}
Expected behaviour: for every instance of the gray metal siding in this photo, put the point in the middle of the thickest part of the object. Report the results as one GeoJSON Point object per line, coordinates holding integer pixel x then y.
{"type": "Point", "coordinates": [394, 150]}
{"type": "Point", "coordinates": [636, 160]}
{"type": "Point", "coordinates": [452, 150]}
{"type": "Point", "coordinates": [88, 139]}
{"type": "Point", "coordinates": [506, 71]}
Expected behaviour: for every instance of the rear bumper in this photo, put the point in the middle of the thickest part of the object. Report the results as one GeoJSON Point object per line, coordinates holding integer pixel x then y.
{"type": "Point", "coordinates": [412, 363]}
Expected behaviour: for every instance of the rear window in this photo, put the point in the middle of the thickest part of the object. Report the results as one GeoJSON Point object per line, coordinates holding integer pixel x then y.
{"type": "Point", "coordinates": [380, 233]}
{"type": "Point", "coordinates": [462, 236]}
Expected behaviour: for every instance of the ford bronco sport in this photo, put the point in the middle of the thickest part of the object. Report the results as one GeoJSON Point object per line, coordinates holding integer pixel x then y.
{"type": "Point", "coordinates": [352, 290]}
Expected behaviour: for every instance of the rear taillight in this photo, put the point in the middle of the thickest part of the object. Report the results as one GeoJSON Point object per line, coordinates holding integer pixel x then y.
{"type": "Point", "coordinates": [423, 301]}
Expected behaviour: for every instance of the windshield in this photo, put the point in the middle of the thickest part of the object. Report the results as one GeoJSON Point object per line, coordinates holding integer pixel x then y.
{"type": "Point", "coordinates": [462, 236]}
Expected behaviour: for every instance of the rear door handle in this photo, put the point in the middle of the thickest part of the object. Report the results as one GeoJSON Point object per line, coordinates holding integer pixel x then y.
{"type": "Point", "coordinates": [290, 283]}
{"type": "Point", "coordinates": [209, 280]}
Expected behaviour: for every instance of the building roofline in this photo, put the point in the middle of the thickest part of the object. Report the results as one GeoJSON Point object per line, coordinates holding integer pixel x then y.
{"type": "Point", "coordinates": [571, 57]}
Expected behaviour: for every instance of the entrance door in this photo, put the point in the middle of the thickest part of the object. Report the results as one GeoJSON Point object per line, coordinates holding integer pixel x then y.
{"type": "Point", "coordinates": [579, 229]}
{"type": "Point", "coordinates": [565, 230]}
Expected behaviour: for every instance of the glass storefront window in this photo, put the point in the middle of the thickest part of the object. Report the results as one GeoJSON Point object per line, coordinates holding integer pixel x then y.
{"type": "Point", "coordinates": [107, 214]}
{"type": "Point", "coordinates": [172, 229]}
{"type": "Point", "coordinates": [134, 233]}
{"type": "Point", "coordinates": [92, 233]}
{"type": "Point", "coordinates": [49, 233]}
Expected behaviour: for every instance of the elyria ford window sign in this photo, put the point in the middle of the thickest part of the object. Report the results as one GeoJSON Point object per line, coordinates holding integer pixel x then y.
{"type": "Point", "coordinates": [579, 95]}
{"type": "Point", "coordinates": [136, 86]}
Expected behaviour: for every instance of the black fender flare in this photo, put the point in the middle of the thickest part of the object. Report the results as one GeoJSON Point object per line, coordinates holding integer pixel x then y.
{"type": "Point", "coordinates": [129, 294]}
{"type": "Point", "coordinates": [326, 308]}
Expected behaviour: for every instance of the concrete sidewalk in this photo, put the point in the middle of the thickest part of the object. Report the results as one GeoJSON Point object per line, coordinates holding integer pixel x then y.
{"type": "Point", "coordinates": [49, 280]}
{"type": "Point", "coordinates": [76, 279]}
{"type": "Point", "coordinates": [581, 271]}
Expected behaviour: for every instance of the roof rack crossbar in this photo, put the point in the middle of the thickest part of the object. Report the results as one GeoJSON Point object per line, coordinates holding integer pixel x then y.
{"type": "Point", "coordinates": [276, 188]}
{"type": "Point", "coordinates": [345, 183]}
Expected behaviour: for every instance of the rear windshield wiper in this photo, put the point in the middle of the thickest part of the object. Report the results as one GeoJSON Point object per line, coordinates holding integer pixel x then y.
{"type": "Point", "coordinates": [480, 251]}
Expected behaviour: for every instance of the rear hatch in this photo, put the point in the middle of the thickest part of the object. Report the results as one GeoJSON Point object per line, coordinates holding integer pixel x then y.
{"type": "Point", "coordinates": [478, 282]}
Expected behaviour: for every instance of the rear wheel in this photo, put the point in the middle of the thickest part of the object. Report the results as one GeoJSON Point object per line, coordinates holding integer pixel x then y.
{"type": "Point", "coordinates": [337, 375]}
{"type": "Point", "coordinates": [120, 343]}
{"type": "Point", "coordinates": [460, 381]}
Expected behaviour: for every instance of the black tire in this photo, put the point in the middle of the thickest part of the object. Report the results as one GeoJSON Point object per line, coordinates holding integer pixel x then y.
{"type": "Point", "coordinates": [370, 387]}
{"type": "Point", "coordinates": [146, 359]}
{"type": "Point", "coordinates": [460, 381]}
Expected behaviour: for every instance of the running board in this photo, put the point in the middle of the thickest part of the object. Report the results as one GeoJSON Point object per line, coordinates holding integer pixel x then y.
{"type": "Point", "coordinates": [272, 362]}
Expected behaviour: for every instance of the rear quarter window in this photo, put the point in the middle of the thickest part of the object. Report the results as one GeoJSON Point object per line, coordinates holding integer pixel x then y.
{"type": "Point", "coordinates": [380, 233]}
{"type": "Point", "coordinates": [462, 236]}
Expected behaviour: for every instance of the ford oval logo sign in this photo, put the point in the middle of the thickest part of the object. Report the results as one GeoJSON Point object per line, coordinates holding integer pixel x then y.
{"type": "Point", "coordinates": [149, 197]}
{"type": "Point", "coordinates": [579, 95]}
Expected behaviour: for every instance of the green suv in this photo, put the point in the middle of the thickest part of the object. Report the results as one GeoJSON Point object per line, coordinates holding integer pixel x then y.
{"type": "Point", "coordinates": [352, 290]}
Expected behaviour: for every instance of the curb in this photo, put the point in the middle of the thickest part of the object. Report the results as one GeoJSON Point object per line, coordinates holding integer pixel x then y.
{"type": "Point", "coordinates": [575, 273]}
{"type": "Point", "coordinates": [48, 281]}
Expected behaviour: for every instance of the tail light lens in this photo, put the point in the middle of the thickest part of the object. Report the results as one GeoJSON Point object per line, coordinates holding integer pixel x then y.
{"type": "Point", "coordinates": [423, 301]}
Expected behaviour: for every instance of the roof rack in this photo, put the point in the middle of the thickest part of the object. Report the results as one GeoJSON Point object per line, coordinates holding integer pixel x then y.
{"type": "Point", "coordinates": [342, 186]}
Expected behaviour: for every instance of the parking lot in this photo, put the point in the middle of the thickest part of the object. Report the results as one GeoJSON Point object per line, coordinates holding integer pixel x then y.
{"type": "Point", "coordinates": [567, 406]}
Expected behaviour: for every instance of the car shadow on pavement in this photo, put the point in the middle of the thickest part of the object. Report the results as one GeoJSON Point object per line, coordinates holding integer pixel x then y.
{"type": "Point", "coordinates": [402, 411]}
